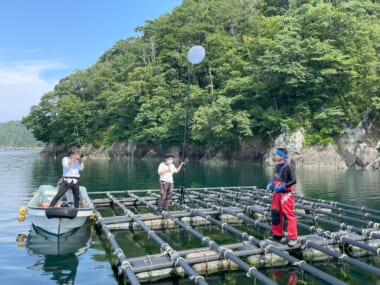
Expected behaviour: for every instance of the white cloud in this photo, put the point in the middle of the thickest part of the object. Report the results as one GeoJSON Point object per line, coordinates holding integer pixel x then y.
{"type": "Point", "coordinates": [22, 85]}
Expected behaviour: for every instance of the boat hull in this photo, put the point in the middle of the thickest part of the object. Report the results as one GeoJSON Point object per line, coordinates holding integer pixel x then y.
{"type": "Point", "coordinates": [58, 220]}
{"type": "Point", "coordinates": [57, 226]}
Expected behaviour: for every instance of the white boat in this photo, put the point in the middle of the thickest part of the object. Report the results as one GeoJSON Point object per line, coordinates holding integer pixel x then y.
{"type": "Point", "coordinates": [61, 219]}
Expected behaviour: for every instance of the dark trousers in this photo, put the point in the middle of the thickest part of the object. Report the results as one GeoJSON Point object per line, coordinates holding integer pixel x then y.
{"type": "Point", "coordinates": [166, 190]}
{"type": "Point", "coordinates": [63, 187]}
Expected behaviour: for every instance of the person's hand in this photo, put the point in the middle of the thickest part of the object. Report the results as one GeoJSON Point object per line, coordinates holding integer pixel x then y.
{"type": "Point", "coordinates": [270, 186]}
{"type": "Point", "coordinates": [280, 187]}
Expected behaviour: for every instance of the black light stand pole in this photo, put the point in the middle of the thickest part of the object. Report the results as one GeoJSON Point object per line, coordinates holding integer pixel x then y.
{"type": "Point", "coordinates": [182, 187]}
{"type": "Point", "coordinates": [195, 56]}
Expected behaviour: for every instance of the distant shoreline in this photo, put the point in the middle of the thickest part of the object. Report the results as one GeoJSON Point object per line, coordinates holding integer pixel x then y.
{"type": "Point", "coordinates": [20, 148]}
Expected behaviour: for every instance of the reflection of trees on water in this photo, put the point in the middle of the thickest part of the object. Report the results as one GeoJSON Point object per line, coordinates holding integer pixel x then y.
{"type": "Point", "coordinates": [45, 170]}
{"type": "Point", "coordinates": [63, 268]}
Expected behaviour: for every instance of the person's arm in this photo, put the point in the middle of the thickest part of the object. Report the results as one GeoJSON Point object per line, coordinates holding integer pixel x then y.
{"type": "Point", "coordinates": [180, 166]}
{"type": "Point", "coordinates": [290, 176]}
{"type": "Point", "coordinates": [67, 162]}
{"type": "Point", "coordinates": [163, 168]}
{"type": "Point", "coordinates": [81, 165]}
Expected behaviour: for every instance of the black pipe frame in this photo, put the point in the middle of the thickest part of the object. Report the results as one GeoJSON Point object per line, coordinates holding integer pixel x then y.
{"type": "Point", "coordinates": [332, 205]}
{"type": "Point", "coordinates": [311, 244]}
{"type": "Point", "coordinates": [223, 251]}
{"type": "Point", "coordinates": [265, 245]}
{"type": "Point", "coordinates": [165, 247]}
{"type": "Point", "coordinates": [370, 233]}
{"type": "Point", "coordinates": [338, 237]}
{"type": "Point", "coordinates": [124, 266]}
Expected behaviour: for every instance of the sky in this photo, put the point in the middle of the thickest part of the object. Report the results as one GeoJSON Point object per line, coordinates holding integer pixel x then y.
{"type": "Point", "coordinates": [43, 41]}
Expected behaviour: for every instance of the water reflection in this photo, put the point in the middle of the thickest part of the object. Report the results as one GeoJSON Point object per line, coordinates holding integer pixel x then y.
{"type": "Point", "coordinates": [347, 186]}
{"type": "Point", "coordinates": [59, 254]}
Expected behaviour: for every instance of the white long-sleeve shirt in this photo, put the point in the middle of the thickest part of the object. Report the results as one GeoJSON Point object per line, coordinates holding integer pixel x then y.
{"type": "Point", "coordinates": [73, 169]}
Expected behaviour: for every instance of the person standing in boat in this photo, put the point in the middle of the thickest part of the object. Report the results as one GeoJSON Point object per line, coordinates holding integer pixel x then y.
{"type": "Point", "coordinates": [282, 207]}
{"type": "Point", "coordinates": [166, 170]}
{"type": "Point", "coordinates": [70, 179]}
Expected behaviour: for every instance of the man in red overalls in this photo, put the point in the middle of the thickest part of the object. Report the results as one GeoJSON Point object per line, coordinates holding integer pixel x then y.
{"type": "Point", "coordinates": [283, 199]}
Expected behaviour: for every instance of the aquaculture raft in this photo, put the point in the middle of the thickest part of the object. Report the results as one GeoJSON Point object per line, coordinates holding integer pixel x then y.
{"type": "Point", "coordinates": [355, 233]}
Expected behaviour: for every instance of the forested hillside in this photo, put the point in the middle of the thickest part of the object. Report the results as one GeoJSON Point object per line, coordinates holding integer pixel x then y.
{"type": "Point", "coordinates": [270, 65]}
{"type": "Point", "coordinates": [13, 134]}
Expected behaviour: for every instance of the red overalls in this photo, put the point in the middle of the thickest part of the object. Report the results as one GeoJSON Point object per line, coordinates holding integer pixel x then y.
{"type": "Point", "coordinates": [283, 207]}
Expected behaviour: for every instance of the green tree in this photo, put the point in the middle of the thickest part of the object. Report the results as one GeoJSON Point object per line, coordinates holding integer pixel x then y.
{"type": "Point", "coordinates": [218, 126]}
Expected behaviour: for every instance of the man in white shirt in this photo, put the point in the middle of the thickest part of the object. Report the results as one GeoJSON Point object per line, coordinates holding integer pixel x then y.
{"type": "Point", "coordinates": [70, 179]}
{"type": "Point", "coordinates": [166, 170]}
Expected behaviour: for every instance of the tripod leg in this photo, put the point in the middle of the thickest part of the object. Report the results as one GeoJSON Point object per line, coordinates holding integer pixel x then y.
{"type": "Point", "coordinates": [182, 196]}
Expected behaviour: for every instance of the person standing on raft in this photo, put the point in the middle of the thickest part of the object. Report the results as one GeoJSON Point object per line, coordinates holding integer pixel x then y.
{"type": "Point", "coordinates": [165, 171]}
{"type": "Point", "coordinates": [282, 207]}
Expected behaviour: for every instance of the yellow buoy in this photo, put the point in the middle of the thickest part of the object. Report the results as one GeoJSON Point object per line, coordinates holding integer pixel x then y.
{"type": "Point", "coordinates": [20, 237]}
{"type": "Point", "coordinates": [92, 216]}
{"type": "Point", "coordinates": [23, 210]}
{"type": "Point", "coordinates": [21, 218]}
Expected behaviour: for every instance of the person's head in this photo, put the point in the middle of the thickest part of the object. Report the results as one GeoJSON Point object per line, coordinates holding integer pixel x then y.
{"type": "Point", "coordinates": [281, 154]}
{"type": "Point", "coordinates": [169, 157]}
{"type": "Point", "coordinates": [74, 151]}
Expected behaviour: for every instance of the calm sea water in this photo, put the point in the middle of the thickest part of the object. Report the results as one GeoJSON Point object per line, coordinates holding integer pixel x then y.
{"type": "Point", "coordinates": [38, 262]}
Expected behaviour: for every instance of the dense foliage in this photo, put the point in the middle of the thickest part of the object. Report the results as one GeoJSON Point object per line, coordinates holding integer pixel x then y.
{"type": "Point", "coordinates": [13, 134]}
{"type": "Point", "coordinates": [269, 65]}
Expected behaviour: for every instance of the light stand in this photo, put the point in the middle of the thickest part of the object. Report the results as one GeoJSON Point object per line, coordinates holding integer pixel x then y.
{"type": "Point", "coordinates": [195, 55]}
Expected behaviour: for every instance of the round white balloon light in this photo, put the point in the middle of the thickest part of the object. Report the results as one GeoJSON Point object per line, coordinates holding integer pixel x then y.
{"type": "Point", "coordinates": [196, 54]}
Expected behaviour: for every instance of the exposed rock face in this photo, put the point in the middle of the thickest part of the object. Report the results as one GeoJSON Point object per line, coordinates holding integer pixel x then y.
{"type": "Point", "coordinates": [349, 156]}
{"type": "Point", "coordinates": [293, 142]}
{"type": "Point", "coordinates": [315, 156]}
{"type": "Point", "coordinates": [365, 154]}
{"type": "Point", "coordinates": [358, 148]}
{"type": "Point", "coordinates": [320, 157]}
{"type": "Point", "coordinates": [54, 150]}
{"type": "Point", "coordinates": [351, 152]}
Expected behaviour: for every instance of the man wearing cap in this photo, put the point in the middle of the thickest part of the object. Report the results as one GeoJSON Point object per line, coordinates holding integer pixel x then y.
{"type": "Point", "coordinates": [70, 179]}
{"type": "Point", "coordinates": [282, 206]}
{"type": "Point", "coordinates": [165, 171]}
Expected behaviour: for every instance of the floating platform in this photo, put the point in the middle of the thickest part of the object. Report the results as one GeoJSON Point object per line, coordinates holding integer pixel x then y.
{"type": "Point", "coordinates": [329, 231]}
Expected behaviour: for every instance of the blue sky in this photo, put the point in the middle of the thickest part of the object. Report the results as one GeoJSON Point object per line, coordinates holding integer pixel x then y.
{"type": "Point", "coordinates": [42, 41]}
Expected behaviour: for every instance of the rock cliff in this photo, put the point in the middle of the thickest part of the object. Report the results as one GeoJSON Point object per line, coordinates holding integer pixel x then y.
{"type": "Point", "coordinates": [358, 149]}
